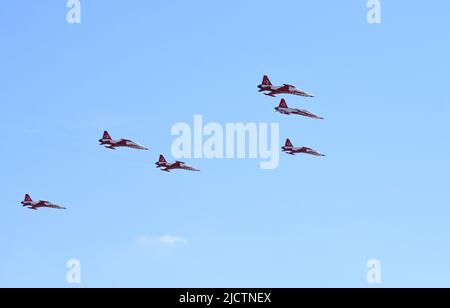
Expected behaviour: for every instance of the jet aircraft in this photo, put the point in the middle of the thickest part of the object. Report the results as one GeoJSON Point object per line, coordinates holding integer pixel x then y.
{"type": "Point", "coordinates": [168, 167]}
{"type": "Point", "coordinates": [32, 205]}
{"type": "Point", "coordinates": [290, 149]}
{"type": "Point", "coordinates": [272, 90]}
{"type": "Point", "coordinates": [284, 109]}
{"type": "Point", "coordinates": [111, 144]}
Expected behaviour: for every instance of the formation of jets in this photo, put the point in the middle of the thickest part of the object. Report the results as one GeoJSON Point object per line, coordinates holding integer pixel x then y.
{"type": "Point", "coordinates": [109, 143]}
{"type": "Point", "coordinates": [283, 108]}
{"type": "Point", "coordinates": [32, 205]}
{"type": "Point", "coordinates": [163, 165]}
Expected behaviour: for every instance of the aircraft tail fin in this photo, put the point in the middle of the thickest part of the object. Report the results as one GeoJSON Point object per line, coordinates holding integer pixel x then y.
{"type": "Point", "coordinates": [283, 104]}
{"type": "Point", "coordinates": [106, 135]}
{"type": "Point", "coordinates": [162, 159]}
{"type": "Point", "coordinates": [28, 198]}
{"type": "Point", "coordinates": [288, 143]}
{"type": "Point", "coordinates": [266, 81]}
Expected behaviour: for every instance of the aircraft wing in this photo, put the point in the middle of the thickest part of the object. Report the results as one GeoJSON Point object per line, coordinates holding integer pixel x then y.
{"type": "Point", "coordinates": [312, 152]}
{"type": "Point", "coordinates": [282, 111]}
{"type": "Point", "coordinates": [191, 169]}
{"type": "Point", "coordinates": [302, 93]}
{"type": "Point", "coordinates": [56, 207]}
{"type": "Point", "coordinates": [272, 93]}
{"type": "Point", "coordinates": [307, 113]}
{"type": "Point", "coordinates": [137, 147]}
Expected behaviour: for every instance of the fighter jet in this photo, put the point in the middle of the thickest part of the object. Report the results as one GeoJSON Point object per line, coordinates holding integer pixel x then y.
{"type": "Point", "coordinates": [111, 144]}
{"type": "Point", "coordinates": [290, 149]}
{"type": "Point", "coordinates": [267, 86]}
{"type": "Point", "coordinates": [29, 203]}
{"type": "Point", "coordinates": [163, 165]}
{"type": "Point", "coordinates": [284, 109]}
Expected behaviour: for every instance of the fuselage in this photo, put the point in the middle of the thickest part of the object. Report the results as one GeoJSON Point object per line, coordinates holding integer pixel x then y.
{"type": "Point", "coordinates": [174, 166]}
{"type": "Point", "coordinates": [29, 203]}
{"type": "Point", "coordinates": [285, 89]}
{"type": "Point", "coordinates": [301, 150]}
{"type": "Point", "coordinates": [110, 143]}
{"type": "Point", "coordinates": [40, 204]}
{"type": "Point", "coordinates": [289, 111]}
{"type": "Point", "coordinates": [263, 88]}
{"type": "Point", "coordinates": [162, 164]}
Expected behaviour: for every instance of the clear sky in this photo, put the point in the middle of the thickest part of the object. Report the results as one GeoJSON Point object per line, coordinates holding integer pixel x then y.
{"type": "Point", "coordinates": [138, 67]}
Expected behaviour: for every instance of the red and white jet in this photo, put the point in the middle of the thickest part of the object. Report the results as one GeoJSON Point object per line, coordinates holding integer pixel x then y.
{"type": "Point", "coordinates": [111, 144]}
{"type": "Point", "coordinates": [167, 167]}
{"type": "Point", "coordinates": [284, 109]}
{"type": "Point", "coordinates": [32, 205]}
{"type": "Point", "coordinates": [290, 149]}
{"type": "Point", "coordinates": [267, 86]}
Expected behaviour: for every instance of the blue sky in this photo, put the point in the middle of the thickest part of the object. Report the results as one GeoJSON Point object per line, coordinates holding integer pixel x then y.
{"type": "Point", "coordinates": [138, 67]}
